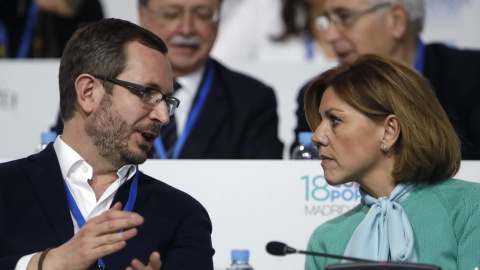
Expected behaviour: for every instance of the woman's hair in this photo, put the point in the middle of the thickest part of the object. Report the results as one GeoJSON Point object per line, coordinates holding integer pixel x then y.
{"type": "Point", "coordinates": [427, 148]}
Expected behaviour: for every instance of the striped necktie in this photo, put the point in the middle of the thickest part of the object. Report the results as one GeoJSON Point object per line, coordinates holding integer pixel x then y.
{"type": "Point", "coordinates": [168, 133]}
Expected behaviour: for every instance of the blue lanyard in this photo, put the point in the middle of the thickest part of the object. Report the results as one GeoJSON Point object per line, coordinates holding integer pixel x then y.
{"type": "Point", "coordinates": [27, 36]}
{"type": "Point", "coordinates": [192, 118]}
{"type": "Point", "coordinates": [309, 48]}
{"type": "Point", "coordinates": [418, 65]}
{"type": "Point", "coordinates": [28, 30]}
{"type": "Point", "coordinates": [3, 39]}
{"type": "Point", "coordinates": [132, 196]}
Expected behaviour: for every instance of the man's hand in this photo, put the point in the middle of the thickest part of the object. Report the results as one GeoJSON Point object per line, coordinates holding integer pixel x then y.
{"type": "Point", "coordinates": [154, 263]}
{"type": "Point", "coordinates": [97, 238]}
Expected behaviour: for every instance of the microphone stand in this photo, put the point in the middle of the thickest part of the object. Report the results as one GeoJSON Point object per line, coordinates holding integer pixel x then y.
{"type": "Point", "coordinates": [333, 256]}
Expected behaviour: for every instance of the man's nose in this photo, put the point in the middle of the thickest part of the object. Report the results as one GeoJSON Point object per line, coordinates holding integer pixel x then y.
{"type": "Point", "coordinates": [186, 24]}
{"type": "Point", "coordinates": [332, 33]}
{"type": "Point", "coordinates": [159, 114]}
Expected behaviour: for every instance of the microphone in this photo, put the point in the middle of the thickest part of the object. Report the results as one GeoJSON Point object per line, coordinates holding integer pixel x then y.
{"type": "Point", "coordinates": [281, 249]}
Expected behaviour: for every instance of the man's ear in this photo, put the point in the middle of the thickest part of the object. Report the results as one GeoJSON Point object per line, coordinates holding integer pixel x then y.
{"type": "Point", "coordinates": [391, 131]}
{"type": "Point", "coordinates": [398, 20]}
{"type": "Point", "coordinates": [86, 95]}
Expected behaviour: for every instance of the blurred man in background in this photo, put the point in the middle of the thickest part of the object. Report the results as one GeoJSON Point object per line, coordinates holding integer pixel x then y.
{"type": "Point", "coordinates": [224, 114]}
{"type": "Point", "coordinates": [392, 28]}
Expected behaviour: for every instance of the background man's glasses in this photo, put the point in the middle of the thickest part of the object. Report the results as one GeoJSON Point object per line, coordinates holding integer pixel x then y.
{"type": "Point", "coordinates": [150, 96]}
{"type": "Point", "coordinates": [175, 14]}
{"type": "Point", "coordinates": [342, 18]}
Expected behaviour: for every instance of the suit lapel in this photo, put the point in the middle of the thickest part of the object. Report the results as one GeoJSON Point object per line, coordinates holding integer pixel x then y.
{"type": "Point", "coordinates": [43, 171]}
{"type": "Point", "coordinates": [145, 188]}
{"type": "Point", "coordinates": [45, 175]}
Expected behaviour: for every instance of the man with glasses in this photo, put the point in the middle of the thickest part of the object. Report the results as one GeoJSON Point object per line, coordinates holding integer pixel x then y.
{"type": "Point", "coordinates": [392, 28]}
{"type": "Point", "coordinates": [224, 114]}
{"type": "Point", "coordinates": [62, 208]}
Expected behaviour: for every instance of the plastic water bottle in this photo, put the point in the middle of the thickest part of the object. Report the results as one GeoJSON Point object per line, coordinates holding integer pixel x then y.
{"type": "Point", "coordinates": [240, 260]}
{"type": "Point", "coordinates": [306, 148]}
{"type": "Point", "coordinates": [46, 138]}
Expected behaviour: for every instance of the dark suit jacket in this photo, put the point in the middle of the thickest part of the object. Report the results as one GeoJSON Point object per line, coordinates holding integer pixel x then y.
{"type": "Point", "coordinates": [455, 77]}
{"type": "Point", "coordinates": [239, 121]}
{"type": "Point", "coordinates": [34, 215]}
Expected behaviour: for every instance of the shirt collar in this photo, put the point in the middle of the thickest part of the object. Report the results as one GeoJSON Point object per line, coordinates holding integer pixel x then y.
{"type": "Point", "coordinates": [191, 82]}
{"type": "Point", "coordinates": [70, 161]}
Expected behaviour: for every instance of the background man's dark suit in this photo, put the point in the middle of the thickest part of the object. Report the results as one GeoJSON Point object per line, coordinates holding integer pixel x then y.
{"type": "Point", "coordinates": [455, 77]}
{"type": "Point", "coordinates": [35, 215]}
{"type": "Point", "coordinates": [239, 120]}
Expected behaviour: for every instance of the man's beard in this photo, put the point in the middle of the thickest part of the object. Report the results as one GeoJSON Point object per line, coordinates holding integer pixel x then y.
{"type": "Point", "coordinates": [110, 134]}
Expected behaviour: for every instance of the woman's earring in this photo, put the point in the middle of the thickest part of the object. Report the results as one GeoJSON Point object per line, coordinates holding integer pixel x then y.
{"type": "Point", "coordinates": [384, 148]}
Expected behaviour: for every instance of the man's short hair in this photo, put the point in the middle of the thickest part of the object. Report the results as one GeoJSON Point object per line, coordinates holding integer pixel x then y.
{"type": "Point", "coordinates": [99, 48]}
{"type": "Point", "coordinates": [415, 10]}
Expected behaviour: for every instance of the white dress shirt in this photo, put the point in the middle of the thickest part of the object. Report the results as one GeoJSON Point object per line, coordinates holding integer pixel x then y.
{"type": "Point", "coordinates": [77, 174]}
{"type": "Point", "coordinates": [186, 94]}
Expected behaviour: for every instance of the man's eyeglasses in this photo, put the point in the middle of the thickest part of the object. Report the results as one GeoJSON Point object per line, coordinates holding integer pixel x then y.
{"type": "Point", "coordinates": [150, 96]}
{"type": "Point", "coordinates": [175, 14]}
{"type": "Point", "coordinates": [341, 19]}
